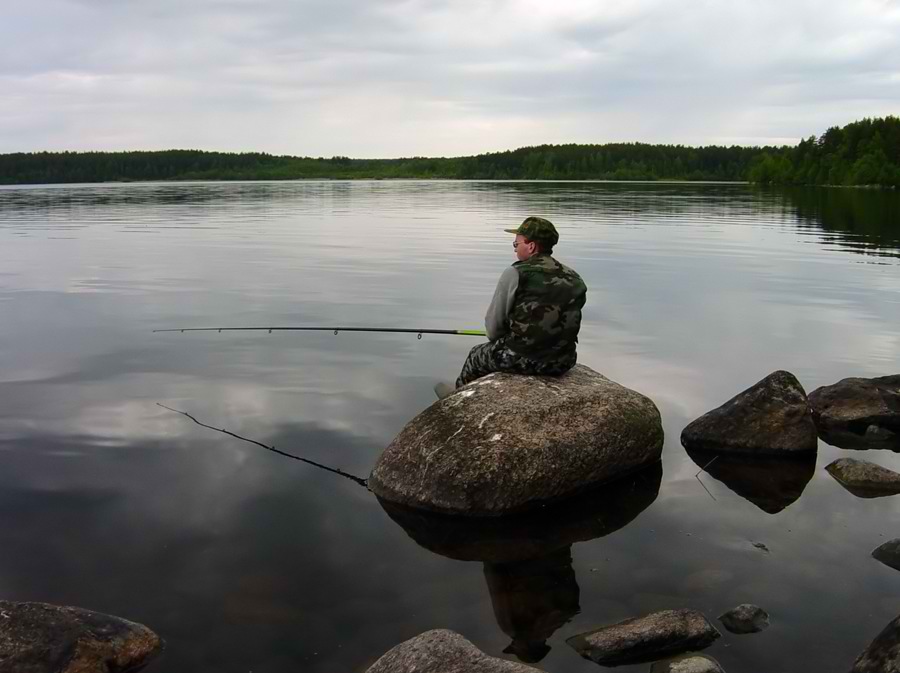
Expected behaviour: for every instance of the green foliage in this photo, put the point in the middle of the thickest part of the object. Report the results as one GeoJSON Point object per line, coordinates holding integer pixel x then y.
{"type": "Point", "coordinates": [627, 161]}
{"type": "Point", "coordinates": [863, 153]}
{"type": "Point", "coordinates": [866, 152]}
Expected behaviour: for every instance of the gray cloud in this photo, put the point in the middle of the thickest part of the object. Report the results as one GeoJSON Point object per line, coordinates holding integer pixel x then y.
{"type": "Point", "coordinates": [432, 77]}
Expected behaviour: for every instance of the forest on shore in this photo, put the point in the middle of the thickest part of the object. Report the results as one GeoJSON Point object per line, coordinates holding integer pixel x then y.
{"type": "Point", "coordinates": [865, 152]}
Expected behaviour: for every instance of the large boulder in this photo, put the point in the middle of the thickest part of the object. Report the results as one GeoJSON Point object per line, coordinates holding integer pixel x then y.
{"type": "Point", "coordinates": [864, 479]}
{"type": "Point", "coordinates": [507, 443]}
{"type": "Point", "coordinates": [442, 651]}
{"type": "Point", "coordinates": [770, 417]}
{"type": "Point", "coordinates": [857, 413]}
{"type": "Point", "coordinates": [42, 638]}
{"type": "Point", "coordinates": [641, 639]}
{"type": "Point", "coordinates": [883, 654]}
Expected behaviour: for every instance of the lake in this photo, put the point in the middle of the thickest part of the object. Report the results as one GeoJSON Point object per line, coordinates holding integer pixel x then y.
{"type": "Point", "coordinates": [244, 560]}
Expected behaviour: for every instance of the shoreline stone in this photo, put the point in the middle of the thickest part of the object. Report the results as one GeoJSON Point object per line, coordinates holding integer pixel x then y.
{"type": "Point", "coordinates": [864, 479]}
{"type": "Point", "coordinates": [508, 443]}
{"type": "Point", "coordinates": [859, 413]}
{"type": "Point", "coordinates": [688, 663]}
{"type": "Point", "coordinates": [648, 638]}
{"type": "Point", "coordinates": [770, 417]}
{"type": "Point", "coordinates": [442, 651]}
{"type": "Point", "coordinates": [745, 618]}
{"type": "Point", "coordinates": [883, 654]}
{"type": "Point", "coordinates": [44, 638]}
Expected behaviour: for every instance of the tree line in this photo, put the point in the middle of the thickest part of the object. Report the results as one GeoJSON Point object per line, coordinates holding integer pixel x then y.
{"type": "Point", "coordinates": [865, 152]}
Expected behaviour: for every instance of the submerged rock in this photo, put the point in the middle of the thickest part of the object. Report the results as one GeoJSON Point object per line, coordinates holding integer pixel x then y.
{"type": "Point", "coordinates": [889, 553]}
{"type": "Point", "coordinates": [858, 413]}
{"type": "Point", "coordinates": [769, 482]}
{"type": "Point", "coordinates": [745, 618]}
{"type": "Point", "coordinates": [883, 654]}
{"type": "Point", "coordinates": [43, 638]}
{"type": "Point", "coordinates": [648, 638]}
{"type": "Point", "coordinates": [688, 663]}
{"type": "Point", "coordinates": [864, 479]}
{"type": "Point", "coordinates": [771, 416]}
{"type": "Point", "coordinates": [506, 443]}
{"type": "Point", "coordinates": [442, 651]}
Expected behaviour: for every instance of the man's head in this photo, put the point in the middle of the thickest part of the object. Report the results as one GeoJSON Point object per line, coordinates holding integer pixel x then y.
{"type": "Point", "coordinates": [535, 235]}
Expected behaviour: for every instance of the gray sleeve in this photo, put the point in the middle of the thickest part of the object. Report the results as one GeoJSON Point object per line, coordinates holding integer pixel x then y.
{"type": "Point", "coordinates": [496, 318]}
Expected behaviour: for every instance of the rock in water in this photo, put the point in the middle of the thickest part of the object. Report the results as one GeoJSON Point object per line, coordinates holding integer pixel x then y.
{"type": "Point", "coordinates": [506, 443]}
{"type": "Point", "coordinates": [859, 413]}
{"type": "Point", "coordinates": [883, 654]}
{"type": "Point", "coordinates": [889, 554]}
{"type": "Point", "coordinates": [641, 639]}
{"type": "Point", "coordinates": [771, 417]}
{"type": "Point", "coordinates": [442, 651]}
{"type": "Point", "coordinates": [688, 663]}
{"type": "Point", "coordinates": [864, 479]}
{"type": "Point", "coordinates": [42, 638]}
{"type": "Point", "coordinates": [745, 618]}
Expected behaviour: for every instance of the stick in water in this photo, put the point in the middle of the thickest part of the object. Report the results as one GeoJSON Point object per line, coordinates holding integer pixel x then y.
{"type": "Point", "coordinates": [358, 480]}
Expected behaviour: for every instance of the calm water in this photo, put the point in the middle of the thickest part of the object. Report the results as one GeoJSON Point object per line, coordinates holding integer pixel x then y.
{"type": "Point", "coordinates": [246, 561]}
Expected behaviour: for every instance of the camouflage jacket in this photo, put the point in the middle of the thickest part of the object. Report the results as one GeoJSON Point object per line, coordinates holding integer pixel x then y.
{"type": "Point", "coordinates": [546, 313]}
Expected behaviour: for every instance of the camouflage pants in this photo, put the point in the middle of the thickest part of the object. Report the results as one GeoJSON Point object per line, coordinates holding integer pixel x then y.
{"type": "Point", "coordinates": [494, 356]}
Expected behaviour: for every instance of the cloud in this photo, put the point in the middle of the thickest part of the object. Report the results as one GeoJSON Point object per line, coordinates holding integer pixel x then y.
{"type": "Point", "coordinates": [432, 77]}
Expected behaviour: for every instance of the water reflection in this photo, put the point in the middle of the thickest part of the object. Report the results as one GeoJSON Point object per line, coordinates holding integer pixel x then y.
{"type": "Point", "coordinates": [532, 599]}
{"type": "Point", "coordinates": [528, 558]}
{"type": "Point", "coordinates": [861, 437]}
{"type": "Point", "coordinates": [769, 482]}
{"type": "Point", "coordinates": [864, 221]}
{"type": "Point", "coordinates": [246, 561]}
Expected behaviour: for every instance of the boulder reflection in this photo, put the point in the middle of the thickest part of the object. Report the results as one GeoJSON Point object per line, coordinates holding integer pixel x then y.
{"type": "Point", "coordinates": [527, 558]}
{"type": "Point", "coordinates": [770, 483]}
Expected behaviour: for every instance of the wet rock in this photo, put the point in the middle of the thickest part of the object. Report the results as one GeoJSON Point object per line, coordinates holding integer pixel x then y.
{"type": "Point", "coordinates": [745, 618]}
{"type": "Point", "coordinates": [858, 413]}
{"type": "Point", "coordinates": [688, 663]}
{"type": "Point", "coordinates": [442, 651]}
{"type": "Point", "coordinates": [770, 417]}
{"type": "Point", "coordinates": [769, 482]}
{"type": "Point", "coordinates": [508, 443]}
{"type": "Point", "coordinates": [883, 654]}
{"type": "Point", "coordinates": [641, 639]}
{"type": "Point", "coordinates": [889, 553]}
{"type": "Point", "coordinates": [42, 638]}
{"type": "Point", "coordinates": [864, 479]}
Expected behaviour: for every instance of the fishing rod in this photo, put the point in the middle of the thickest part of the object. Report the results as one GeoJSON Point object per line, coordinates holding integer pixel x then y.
{"type": "Point", "coordinates": [402, 330]}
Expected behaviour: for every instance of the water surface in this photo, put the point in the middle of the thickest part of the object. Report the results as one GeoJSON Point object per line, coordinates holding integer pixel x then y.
{"type": "Point", "coordinates": [243, 560]}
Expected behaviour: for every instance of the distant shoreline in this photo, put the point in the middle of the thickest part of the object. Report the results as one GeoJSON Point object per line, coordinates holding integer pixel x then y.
{"type": "Point", "coordinates": [864, 153]}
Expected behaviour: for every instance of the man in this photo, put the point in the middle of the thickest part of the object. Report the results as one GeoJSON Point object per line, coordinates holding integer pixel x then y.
{"type": "Point", "coordinates": [533, 321]}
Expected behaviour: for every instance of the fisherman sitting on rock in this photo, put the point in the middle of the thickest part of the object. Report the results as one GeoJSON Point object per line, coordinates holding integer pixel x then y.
{"type": "Point", "coordinates": [533, 320]}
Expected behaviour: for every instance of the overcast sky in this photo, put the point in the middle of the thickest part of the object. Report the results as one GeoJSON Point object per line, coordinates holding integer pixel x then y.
{"type": "Point", "coordinates": [389, 78]}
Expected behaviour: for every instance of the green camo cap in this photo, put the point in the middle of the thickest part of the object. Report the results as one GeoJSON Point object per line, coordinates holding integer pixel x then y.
{"type": "Point", "coordinates": [537, 229]}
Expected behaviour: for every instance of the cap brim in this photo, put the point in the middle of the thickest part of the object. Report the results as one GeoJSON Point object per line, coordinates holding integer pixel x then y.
{"type": "Point", "coordinates": [511, 231]}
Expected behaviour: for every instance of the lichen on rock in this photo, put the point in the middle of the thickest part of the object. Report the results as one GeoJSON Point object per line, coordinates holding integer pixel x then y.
{"type": "Point", "coordinates": [507, 443]}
